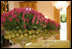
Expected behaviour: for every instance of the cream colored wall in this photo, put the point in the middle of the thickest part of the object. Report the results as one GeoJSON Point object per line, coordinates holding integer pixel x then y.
{"type": "Point", "coordinates": [45, 7]}
{"type": "Point", "coordinates": [13, 4]}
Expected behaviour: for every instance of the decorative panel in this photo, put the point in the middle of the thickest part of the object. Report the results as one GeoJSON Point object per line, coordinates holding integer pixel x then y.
{"type": "Point", "coordinates": [57, 19]}
{"type": "Point", "coordinates": [57, 15]}
{"type": "Point", "coordinates": [31, 4]}
{"type": "Point", "coordinates": [69, 22]}
{"type": "Point", "coordinates": [4, 6]}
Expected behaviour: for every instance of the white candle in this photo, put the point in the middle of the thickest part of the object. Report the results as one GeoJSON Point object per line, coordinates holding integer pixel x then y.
{"type": "Point", "coordinates": [29, 8]}
{"type": "Point", "coordinates": [46, 16]}
{"type": "Point", "coordinates": [28, 44]}
{"type": "Point", "coordinates": [26, 8]}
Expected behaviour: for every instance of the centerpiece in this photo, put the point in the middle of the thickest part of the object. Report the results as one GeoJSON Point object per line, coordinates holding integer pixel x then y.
{"type": "Point", "coordinates": [24, 25]}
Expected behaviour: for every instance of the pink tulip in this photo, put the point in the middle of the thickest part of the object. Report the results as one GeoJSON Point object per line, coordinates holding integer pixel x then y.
{"type": "Point", "coordinates": [45, 25]}
{"type": "Point", "coordinates": [17, 20]}
{"type": "Point", "coordinates": [13, 17]}
{"type": "Point", "coordinates": [37, 22]}
{"type": "Point", "coordinates": [23, 14]}
{"type": "Point", "coordinates": [3, 20]}
{"type": "Point", "coordinates": [12, 13]}
{"type": "Point", "coordinates": [34, 17]}
{"type": "Point", "coordinates": [38, 17]}
{"type": "Point", "coordinates": [19, 11]}
{"type": "Point", "coordinates": [46, 21]}
{"type": "Point", "coordinates": [52, 22]}
{"type": "Point", "coordinates": [42, 24]}
{"type": "Point", "coordinates": [27, 12]}
{"type": "Point", "coordinates": [43, 18]}
{"type": "Point", "coordinates": [10, 19]}
{"type": "Point", "coordinates": [27, 20]}
{"type": "Point", "coordinates": [1, 24]}
{"type": "Point", "coordinates": [33, 21]}
{"type": "Point", "coordinates": [24, 26]}
{"type": "Point", "coordinates": [24, 19]}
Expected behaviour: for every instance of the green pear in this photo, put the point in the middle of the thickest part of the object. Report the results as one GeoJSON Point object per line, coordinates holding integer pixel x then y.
{"type": "Point", "coordinates": [45, 30]}
{"type": "Point", "coordinates": [21, 36]}
{"type": "Point", "coordinates": [9, 36]}
{"type": "Point", "coordinates": [30, 32]}
{"type": "Point", "coordinates": [17, 34]}
{"type": "Point", "coordinates": [11, 32]}
{"type": "Point", "coordinates": [13, 35]}
{"type": "Point", "coordinates": [25, 30]}
{"type": "Point", "coordinates": [15, 31]}
{"type": "Point", "coordinates": [7, 32]}
{"type": "Point", "coordinates": [34, 36]}
{"type": "Point", "coordinates": [6, 37]}
{"type": "Point", "coordinates": [30, 36]}
{"type": "Point", "coordinates": [20, 31]}
{"type": "Point", "coordinates": [34, 31]}
{"type": "Point", "coordinates": [26, 35]}
{"type": "Point", "coordinates": [37, 32]}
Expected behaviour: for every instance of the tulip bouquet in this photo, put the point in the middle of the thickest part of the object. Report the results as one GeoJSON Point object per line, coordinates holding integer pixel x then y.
{"type": "Point", "coordinates": [23, 18]}
{"type": "Point", "coordinates": [26, 22]}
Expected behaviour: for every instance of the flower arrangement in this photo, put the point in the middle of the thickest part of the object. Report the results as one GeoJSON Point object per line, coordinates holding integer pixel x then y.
{"type": "Point", "coordinates": [26, 22]}
{"type": "Point", "coordinates": [22, 18]}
